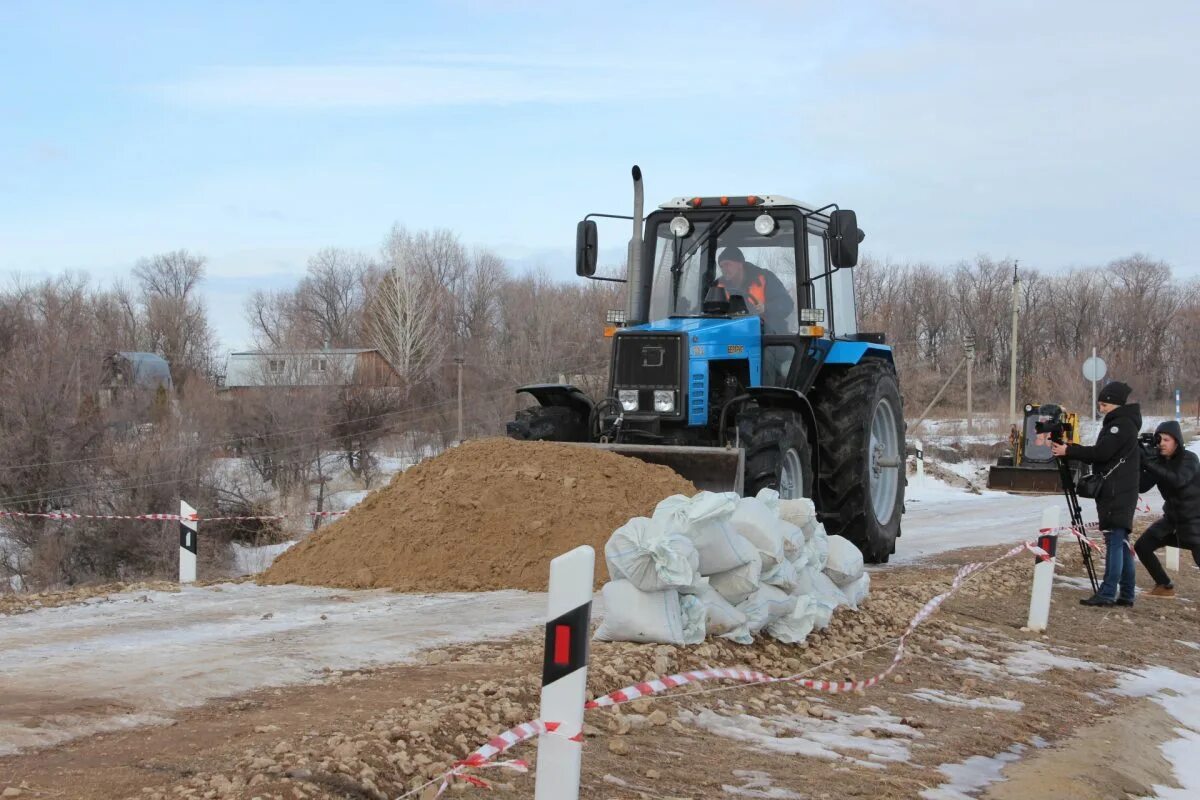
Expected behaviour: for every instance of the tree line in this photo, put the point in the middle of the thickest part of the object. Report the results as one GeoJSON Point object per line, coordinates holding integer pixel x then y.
{"type": "Point", "coordinates": [1141, 319]}
{"type": "Point", "coordinates": [426, 301]}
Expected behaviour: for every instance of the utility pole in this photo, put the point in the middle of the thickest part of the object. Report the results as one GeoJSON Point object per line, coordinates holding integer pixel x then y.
{"type": "Point", "coordinates": [458, 360]}
{"type": "Point", "coordinates": [969, 346]}
{"type": "Point", "coordinates": [1012, 372]}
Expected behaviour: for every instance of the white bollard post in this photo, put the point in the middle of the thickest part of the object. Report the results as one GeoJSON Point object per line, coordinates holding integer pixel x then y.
{"type": "Point", "coordinates": [920, 462]}
{"type": "Point", "coordinates": [1043, 571]}
{"type": "Point", "coordinates": [189, 534]}
{"type": "Point", "coordinates": [564, 674]}
{"type": "Point", "coordinates": [1173, 559]}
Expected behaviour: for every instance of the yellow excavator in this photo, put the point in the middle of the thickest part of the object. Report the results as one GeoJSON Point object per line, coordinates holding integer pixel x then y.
{"type": "Point", "coordinates": [1029, 466]}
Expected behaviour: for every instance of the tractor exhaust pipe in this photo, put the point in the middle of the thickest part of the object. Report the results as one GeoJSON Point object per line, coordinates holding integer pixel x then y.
{"type": "Point", "coordinates": [637, 307]}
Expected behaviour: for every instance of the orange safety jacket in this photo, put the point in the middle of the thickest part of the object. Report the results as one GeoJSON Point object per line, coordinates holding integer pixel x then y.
{"type": "Point", "coordinates": [757, 290]}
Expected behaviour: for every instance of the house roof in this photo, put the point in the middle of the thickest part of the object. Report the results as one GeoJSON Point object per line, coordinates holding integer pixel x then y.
{"type": "Point", "coordinates": [146, 369]}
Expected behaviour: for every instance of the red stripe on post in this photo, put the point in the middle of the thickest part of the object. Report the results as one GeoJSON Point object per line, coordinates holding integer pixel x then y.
{"type": "Point", "coordinates": [562, 644]}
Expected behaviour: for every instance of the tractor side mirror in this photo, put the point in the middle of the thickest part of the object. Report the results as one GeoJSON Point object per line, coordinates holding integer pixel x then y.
{"type": "Point", "coordinates": [844, 235]}
{"type": "Point", "coordinates": [586, 248]}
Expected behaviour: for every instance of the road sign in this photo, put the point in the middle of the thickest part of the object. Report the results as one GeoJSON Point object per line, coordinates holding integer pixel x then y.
{"type": "Point", "coordinates": [1094, 368]}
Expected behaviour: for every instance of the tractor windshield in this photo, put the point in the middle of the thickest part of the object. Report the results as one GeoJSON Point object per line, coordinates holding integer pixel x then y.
{"type": "Point", "coordinates": [730, 254]}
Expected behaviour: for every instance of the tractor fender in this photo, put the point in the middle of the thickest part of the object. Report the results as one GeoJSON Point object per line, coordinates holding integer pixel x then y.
{"type": "Point", "coordinates": [560, 394]}
{"type": "Point", "coordinates": [792, 400]}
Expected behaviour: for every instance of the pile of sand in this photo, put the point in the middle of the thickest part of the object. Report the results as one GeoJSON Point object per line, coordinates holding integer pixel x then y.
{"type": "Point", "coordinates": [489, 514]}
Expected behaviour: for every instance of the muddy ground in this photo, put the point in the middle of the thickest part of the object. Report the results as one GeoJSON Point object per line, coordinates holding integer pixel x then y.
{"type": "Point", "coordinates": [973, 684]}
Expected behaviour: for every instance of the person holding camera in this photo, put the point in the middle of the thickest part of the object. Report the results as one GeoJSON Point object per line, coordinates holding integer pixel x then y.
{"type": "Point", "coordinates": [1115, 459]}
{"type": "Point", "coordinates": [1176, 471]}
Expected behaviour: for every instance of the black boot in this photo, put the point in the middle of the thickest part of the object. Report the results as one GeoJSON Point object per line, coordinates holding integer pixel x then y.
{"type": "Point", "coordinates": [1125, 602]}
{"type": "Point", "coordinates": [1097, 600]}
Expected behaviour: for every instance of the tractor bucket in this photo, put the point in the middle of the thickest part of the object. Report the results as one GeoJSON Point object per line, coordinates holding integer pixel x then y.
{"type": "Point", "coordinates": [715, 469]}
{"type": "Point", "coordinates": [1024, 480]}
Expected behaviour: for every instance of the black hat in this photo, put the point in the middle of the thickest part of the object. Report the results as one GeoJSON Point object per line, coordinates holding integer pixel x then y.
{"type": "Point", "coordinates": [1116, 393]}
{"type": "Point", "coordinates": [731, 254]}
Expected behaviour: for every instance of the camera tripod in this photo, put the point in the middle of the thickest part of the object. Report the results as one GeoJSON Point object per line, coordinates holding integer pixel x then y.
{"type": "Point", "coordinates": [1076, 513]}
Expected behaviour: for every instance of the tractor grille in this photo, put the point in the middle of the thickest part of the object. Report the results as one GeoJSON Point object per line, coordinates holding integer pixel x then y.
{"type": "Point", "coordinates": [648, 361]}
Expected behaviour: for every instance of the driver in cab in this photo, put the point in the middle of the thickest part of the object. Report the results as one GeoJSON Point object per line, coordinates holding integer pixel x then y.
{"type": "Point", "coordinates": [764, 293]}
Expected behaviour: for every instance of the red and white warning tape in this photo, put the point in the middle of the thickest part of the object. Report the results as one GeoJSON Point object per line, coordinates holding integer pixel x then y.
{"type": "Point", "coordinates": [64, 515]}
{"type": "Point", "coordinates": [482, 756]}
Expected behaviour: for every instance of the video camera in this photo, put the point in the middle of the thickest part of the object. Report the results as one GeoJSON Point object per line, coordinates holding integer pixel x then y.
{"type": "Point", "coordinates": [1050, 421]}
{"type": "Point", "coordinates": [1149, 444]}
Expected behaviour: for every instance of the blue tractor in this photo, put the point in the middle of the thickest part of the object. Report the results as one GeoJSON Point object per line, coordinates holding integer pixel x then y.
{"type": "Point", "coordinates": [739, 363]}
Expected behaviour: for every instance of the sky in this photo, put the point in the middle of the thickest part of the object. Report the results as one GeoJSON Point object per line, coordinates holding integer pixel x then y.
{"type": "Point", "coordinates": [257, 133]}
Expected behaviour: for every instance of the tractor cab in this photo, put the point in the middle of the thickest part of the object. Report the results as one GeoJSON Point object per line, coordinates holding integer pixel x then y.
{"type": "Point", "coordinates": [739, 362]}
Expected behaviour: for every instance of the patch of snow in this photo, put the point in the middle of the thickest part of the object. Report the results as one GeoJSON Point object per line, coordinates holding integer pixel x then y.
{"type": "Point", "coordinates": [838, 738]}
{"type": "Point", "coordinates": [758, 784]}
{"type": "Point", "coordinates": [1071, 582]}
{"type": "Point", "coordinates": [249, 560]}
{"type": "Point", "coordinates": [1033, 658]}
{"type": "Point", "coordinates": [1192, 645]}
{"type": "Point", "coordinates": [141, 656]}
{"type": "Point", "coordinates": [956, 701]}
{"type": "Point", "coordinates": [957, 645]}
{"type": "Point", "coordinates": [1179, 694]}
{"type": "Point", "coordinates": [968, 777]}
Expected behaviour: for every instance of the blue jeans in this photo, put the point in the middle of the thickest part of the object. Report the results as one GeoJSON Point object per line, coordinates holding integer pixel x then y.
{"type": "Point", "coordinates": [1118, 565]}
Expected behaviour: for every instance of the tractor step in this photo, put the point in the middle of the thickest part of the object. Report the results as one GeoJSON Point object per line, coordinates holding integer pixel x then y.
{"type": "Point", "coordinates": [713, 469]}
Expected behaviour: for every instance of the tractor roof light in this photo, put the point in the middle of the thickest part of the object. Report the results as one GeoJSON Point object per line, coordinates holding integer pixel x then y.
{"type": "Point", "coordinates": [696, 201]}
{"type": "Point", "coordinates": [681, 227]}
{"type": "Point", "coordinates": [764, 224]}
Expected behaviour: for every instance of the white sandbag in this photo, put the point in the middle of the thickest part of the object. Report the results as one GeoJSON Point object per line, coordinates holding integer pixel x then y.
{"type": "Point", "coordinates": [703, 520]}
{"type": "Point", "coordinates": [722, 617]}
{"type": "Point", "coordinates": [857, 590]}
{"type": "Point", "coordinates": [631, 615]}
{"type": "Point", "coordinates": [804, 580]}
{"type": "Point", "coordinates": [845, 562]}
{"type": "Point", "coordinates": [765, 605]}
{"type": "Point", "coordinates": [822, 614]}
{"type": "Point", "coordinates": [642, 552]}
{"type": "Point", "coordinates": [796, 626]}
{"type": "Point", "coordinates": [818, 549]}
{"type": "Point", "coordinates": [754, 520]}
{"type": "Point", "coordinates": [769, 498]}
{"type": "Point", "coordinates": [737, 584]}
{"type": "Point", "coordinates": [827, 598]}
{"type": "Point", "coordinates": [794, 540]}
{"type": "Point", "coordinates": [782, 577]}
{"type": "Point", "coordinates": [799, 512]}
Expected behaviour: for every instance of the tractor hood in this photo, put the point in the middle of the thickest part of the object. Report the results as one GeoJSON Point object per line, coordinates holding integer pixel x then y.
{"type": "Point", "coordinates": [710, 339]}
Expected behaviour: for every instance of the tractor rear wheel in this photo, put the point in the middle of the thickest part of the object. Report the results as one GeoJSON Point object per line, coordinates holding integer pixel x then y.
{"type": "Point", "coordinates": [860, 420]}
{"type": "Point", "coordinates": [778, 454]}
{"type": "Point", "coordinates": [548, 424]}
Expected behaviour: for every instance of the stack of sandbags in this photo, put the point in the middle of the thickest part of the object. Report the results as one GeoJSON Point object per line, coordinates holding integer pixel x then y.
{"type": "Point", "coordinates": [721, 565]}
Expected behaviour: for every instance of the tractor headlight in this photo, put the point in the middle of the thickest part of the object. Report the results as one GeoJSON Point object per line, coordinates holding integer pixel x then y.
{"type": "Point", "coordinates": [664, 401]}
{"type": "Point", "coordinates": [764, 224]}
{"type": "Point", "coordinates": [628, 399]}
{"type": "Point", "coordinates": [681, 226]}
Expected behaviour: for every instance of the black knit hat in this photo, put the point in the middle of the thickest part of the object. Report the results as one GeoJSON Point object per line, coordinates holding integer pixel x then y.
{"type": "Point", "coordinates": [1116, 393]}
{"type": "Point", "coordinates": [731, 254]}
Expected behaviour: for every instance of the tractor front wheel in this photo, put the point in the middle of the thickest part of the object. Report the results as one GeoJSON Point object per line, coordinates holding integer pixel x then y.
{"type": "Point", "coordinates": [778, 454]}
{"type": "Point", "coordinates": [860, 420]}
{"type": "Point", "coordinates": [548, 424]}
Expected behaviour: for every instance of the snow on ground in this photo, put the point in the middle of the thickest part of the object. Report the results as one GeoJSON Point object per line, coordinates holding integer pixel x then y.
{"type": "Point", "coordinates": [837, 736]}
{"type": "Point", "coordinates": [1180, 695]}
{"type": "Point", "coordinates": [942, 698]}
{"type": "Point", "coordinates": [968, 777]}
{"type": "Point", "coordinates": [940, 517]}
{"type": "Point", "coordinates": [248, 560]}
{"type": "Point", "coordinates": [138, 657]}
{"type": "Point", "coordinates": [758, 784]}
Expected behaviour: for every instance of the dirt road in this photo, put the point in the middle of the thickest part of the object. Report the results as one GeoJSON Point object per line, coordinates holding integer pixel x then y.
{"type": "Point", "coordinates": [976, 700]}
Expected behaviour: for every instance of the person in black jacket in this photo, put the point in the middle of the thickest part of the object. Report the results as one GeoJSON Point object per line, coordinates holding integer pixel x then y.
{"type": "Point", "coordinates": [1176, 471]}
{"type": "Point", "coordinates": [1116, 457]}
